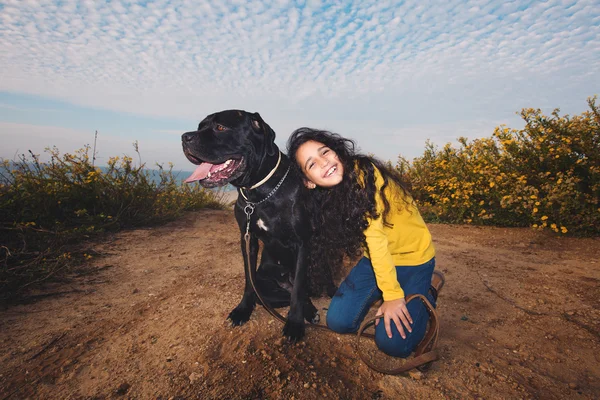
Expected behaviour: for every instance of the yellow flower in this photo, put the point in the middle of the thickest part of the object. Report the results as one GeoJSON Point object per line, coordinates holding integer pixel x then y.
{"type": "Point", "coordinates": [544, 218]}
{"type": "Point", "coordinates": [563, 229]}
{"type": "Point", "coordinates": [535, 225]}
{"type": "Point", "coordinates": [533, 197]}
{"type": "Point", "coordinates": [537, 203]}
{"type": "Point", "coordinates": [553, 226]}
{"type": "Point", "coordinates": [492, 184]}
{"type": "Point", "coordinates": [481, 202]}
{"type": "Point", "coordinates": [535, 210]}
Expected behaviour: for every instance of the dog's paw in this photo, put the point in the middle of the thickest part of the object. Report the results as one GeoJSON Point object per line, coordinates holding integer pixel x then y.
{"type": "Point", "coordinates": [316, 318]}
{"type": "Point", "coordinates": [311, 314]}
{"type": "Point", "coordinates": [239, 316]}
{"type": "Point", "coordinates": [293, 331]}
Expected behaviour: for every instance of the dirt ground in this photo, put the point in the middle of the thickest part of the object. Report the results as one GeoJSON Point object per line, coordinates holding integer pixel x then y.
{"type": "Point", "coordinates": [520, 318]}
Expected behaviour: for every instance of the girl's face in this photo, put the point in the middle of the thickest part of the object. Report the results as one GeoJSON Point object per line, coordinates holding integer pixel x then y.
{"type": "Point", "coordinates": [320, 164]}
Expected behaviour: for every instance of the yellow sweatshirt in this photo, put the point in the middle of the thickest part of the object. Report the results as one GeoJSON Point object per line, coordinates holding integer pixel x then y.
{"type": "Point", "coordinates": [406, 243]}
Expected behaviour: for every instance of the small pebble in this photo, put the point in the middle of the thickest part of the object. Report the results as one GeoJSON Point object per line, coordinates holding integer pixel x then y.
{"type": "Point", "coordinates": [193, 377]}
{"type": "Point", "coordinates": [123, 388]}
{"type": "Point", "coordinates": [416, 375]}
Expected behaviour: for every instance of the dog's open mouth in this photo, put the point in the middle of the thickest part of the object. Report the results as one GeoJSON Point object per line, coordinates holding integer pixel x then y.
{"type": "Point", "coordinates": [215, 174]}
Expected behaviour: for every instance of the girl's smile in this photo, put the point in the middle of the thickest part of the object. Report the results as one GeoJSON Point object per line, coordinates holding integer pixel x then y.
{"type": "Point", "coordinates": [320, 165]}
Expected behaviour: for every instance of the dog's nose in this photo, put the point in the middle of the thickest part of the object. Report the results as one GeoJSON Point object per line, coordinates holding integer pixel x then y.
{"type": "Point", "coordinates": [187, 137]}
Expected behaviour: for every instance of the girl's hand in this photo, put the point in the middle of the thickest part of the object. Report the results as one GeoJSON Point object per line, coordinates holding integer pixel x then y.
{"type": "Point", "coordinates": [395, 310]}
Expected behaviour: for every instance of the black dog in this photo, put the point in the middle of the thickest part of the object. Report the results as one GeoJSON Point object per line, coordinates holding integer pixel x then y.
{"type": "Point", "coordinates": [239, 148]}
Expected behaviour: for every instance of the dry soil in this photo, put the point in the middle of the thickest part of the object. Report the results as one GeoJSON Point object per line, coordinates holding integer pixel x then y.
{"type": "Point", "coordinates": [146, 320]}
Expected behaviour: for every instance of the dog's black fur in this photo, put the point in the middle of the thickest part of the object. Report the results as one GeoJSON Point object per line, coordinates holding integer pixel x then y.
{"type": "Point", "coordinates": [281, 277]}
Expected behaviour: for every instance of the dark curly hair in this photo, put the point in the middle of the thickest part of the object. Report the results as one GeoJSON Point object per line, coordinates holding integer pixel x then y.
{"type": "Point", "coordinates": [339, 215]}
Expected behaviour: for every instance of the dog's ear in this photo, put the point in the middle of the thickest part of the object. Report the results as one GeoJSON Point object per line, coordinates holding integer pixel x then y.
{"type": "Point", "coordinates": [262, 127]}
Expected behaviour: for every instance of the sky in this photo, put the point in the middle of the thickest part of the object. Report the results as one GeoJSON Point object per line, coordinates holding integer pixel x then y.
{"type": "Point", "coordinates": [388, 74]}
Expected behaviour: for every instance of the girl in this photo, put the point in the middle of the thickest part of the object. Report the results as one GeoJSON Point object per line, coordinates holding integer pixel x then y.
{"type": "Point", "coordinates": [358, 204]}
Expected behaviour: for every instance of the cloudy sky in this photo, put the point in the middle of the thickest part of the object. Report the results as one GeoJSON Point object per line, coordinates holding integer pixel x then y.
{"type": "Point", "coordinates": [388, 74]}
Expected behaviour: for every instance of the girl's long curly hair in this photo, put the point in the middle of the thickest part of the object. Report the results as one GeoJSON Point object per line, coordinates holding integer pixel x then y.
{"type": "Point", "coordinates": [339, 215]}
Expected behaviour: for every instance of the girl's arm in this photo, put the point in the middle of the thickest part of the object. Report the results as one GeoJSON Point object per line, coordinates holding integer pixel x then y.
{"type": "Point", "coordinates": [382, 261]}
{"type": "Point", "coordinates": [394, 305]}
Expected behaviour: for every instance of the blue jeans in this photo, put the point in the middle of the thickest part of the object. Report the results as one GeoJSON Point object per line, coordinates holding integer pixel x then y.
{"type": "Point", "coordinates": [358, 291]}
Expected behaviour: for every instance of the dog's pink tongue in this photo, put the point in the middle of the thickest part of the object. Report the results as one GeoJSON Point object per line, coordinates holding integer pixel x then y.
{"type": "Point", "coordinates": [200, 173]}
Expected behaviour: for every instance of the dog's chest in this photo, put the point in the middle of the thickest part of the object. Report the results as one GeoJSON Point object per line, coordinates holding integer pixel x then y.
{"type": "Point", "coordinates": [280, 222]}
{"type": "Point", "coordinates": [261, 225]}
{"type": "Point", "coordinates": [265, 225]}
{"type": "Point", "coordinates": [270, 225]}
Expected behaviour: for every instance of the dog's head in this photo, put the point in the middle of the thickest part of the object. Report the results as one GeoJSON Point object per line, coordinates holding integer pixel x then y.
{"type": "Point", "coordinates": [227, 146]}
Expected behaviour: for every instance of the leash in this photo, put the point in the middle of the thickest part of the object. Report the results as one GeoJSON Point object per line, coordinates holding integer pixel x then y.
{"type": "Point", "coordinates": [425, 352]}
{"type": "Point", "coordinates": [249, 210]}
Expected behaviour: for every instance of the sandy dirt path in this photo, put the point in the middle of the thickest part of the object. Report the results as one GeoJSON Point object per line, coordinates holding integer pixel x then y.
{"type": "Point", "coordinates": [520, 317]}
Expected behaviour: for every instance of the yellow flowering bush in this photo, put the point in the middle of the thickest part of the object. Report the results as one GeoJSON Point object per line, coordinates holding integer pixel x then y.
{"type": "Point", "coordinates": [47, 208]}
{"type": "Point", "coordinates": [546, 175]}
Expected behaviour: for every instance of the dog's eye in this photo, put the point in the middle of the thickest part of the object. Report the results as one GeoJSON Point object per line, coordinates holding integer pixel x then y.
{"type": "Point", "coordinates": [220, 128]}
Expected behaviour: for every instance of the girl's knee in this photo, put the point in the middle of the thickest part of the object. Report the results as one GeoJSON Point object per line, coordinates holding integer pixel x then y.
{"type": "Point", "coordinates": [396, 346]}
{"type": "Point", "coordinates": [338, 324]}
{"type": "Point", "coordinates": [401, 348]}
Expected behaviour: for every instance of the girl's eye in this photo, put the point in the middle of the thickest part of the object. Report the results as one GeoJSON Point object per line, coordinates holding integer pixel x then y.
{"type": "Point", "coordinates": [220, 128]}
{"type": "Point", "coordinates": [325, 151]}
{"type": "Point", "coordinates": [310, 165]}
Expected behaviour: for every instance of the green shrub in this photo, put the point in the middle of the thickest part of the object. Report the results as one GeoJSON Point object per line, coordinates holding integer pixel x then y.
{"type": "Point", "coordinates": [46, 209]}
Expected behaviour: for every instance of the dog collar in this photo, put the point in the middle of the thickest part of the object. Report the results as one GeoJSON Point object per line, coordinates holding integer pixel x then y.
{"type": "Point", "coordinates": [266, 178]}
{"type": "Point", "coordinates": [253, 204]}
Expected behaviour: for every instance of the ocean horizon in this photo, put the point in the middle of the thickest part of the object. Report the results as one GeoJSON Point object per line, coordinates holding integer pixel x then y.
{"type": "Point", "coordinates": [154, 175]}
